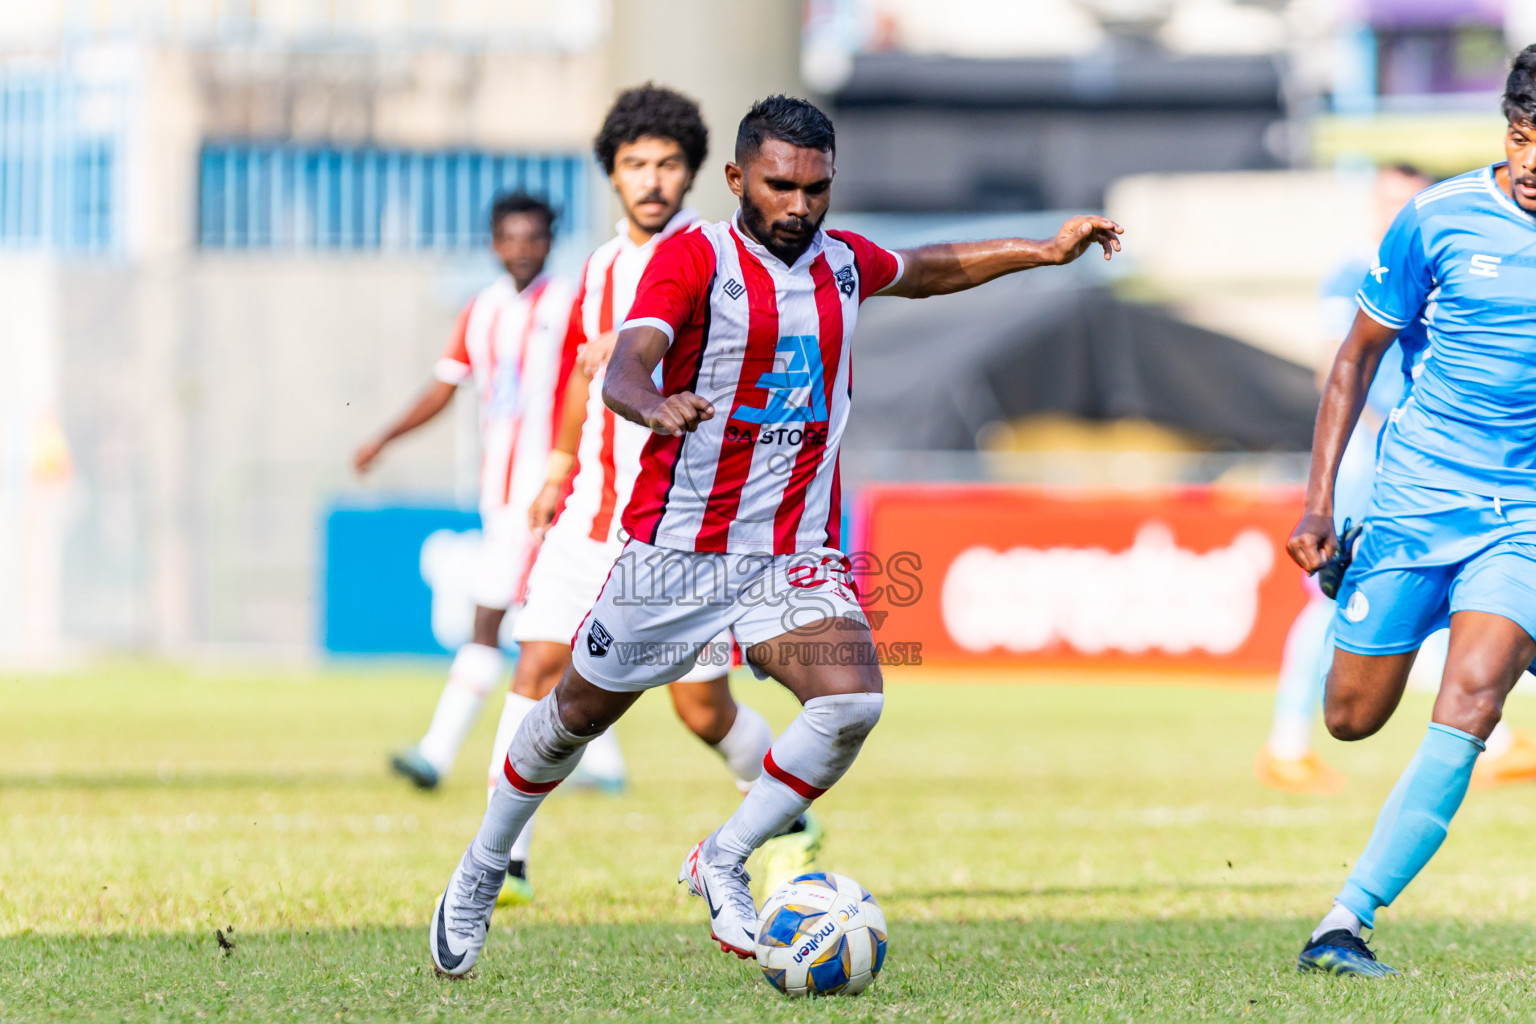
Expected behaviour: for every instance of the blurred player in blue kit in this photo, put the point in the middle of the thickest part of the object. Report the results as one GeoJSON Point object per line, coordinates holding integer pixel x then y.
{"type": "Point", "coordinates": [1450, 535]}
{"type": "Point", "coordinates": [1288, 761]}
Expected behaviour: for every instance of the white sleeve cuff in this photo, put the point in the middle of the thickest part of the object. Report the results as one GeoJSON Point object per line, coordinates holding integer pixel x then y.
{"type": "Point", "coordinates": [901, 270]}
{"type": "Point", "coordinates": [450, 371]}
{"type": "Point", "coordinates": [651, 321]}
{"type": "Point", "coordinates": [1377, 315]}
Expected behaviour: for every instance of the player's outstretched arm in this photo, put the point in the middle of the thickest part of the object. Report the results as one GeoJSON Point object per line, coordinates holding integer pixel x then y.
{"type": "Point", "coordinates": [1313, 541]}
{"type": "Point", "coordinates": [433, 400]}
{"type": "Point", "coordinates": [629, 390]}
{"type": "Point", "coordinates": [956, 266]}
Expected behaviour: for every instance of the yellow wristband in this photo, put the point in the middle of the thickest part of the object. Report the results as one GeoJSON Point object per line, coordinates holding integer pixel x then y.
{"type": "Point", "coordinates": [558, 467]}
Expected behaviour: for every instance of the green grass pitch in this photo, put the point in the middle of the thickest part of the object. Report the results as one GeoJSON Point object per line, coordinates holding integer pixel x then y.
{"type": "Point", "coordinates": [1086, 848]}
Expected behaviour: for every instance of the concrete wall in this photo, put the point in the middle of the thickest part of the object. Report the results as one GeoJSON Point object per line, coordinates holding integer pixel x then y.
{"type": "Point", "coordinates": [209, 403]}
{"type": "Point", "coordinates": [1245, 253]}
{"type": "Point", "coordinates": [211, 406]}
{"type": "Point", "coordinates": [725, 55]}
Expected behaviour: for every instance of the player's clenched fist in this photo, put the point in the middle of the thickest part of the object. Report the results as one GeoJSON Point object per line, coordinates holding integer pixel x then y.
{"type": "Point", "coordinates": [680, 414]}
{"type": "Point", "coordinates": [1313, 541]}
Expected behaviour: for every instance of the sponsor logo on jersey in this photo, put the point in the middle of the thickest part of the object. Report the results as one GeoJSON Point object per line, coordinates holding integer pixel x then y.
{"type": "Point", "coordinates": [733, 288]}
{"type": "Point", "coordinates": [598, 640]}
{"type": "Point", "coordinates": [791, 436]}
{"type": "Point", "coordinates": [1484, 265]}
{"type": "Point", "coordinates": [795, 394]}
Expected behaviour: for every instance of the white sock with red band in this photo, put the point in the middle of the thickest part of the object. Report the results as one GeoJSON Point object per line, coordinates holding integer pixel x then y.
{"type": "Point", "coordinates": [542, 753]}
{"type": "Point", "coordinates": [475, 671]}
{"type": "Point", "coordinates": [745, 746]}
{"type": "Point", "coordinates": [805, 761]}
{"type": "Point", "coordinates": [512, 715]}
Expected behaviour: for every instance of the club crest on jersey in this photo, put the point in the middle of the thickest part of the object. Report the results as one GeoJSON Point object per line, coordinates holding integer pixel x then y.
{"type": "Point", "coordinates": [845, 280]}
{"type": "Point", "coordinates": [598, 640]}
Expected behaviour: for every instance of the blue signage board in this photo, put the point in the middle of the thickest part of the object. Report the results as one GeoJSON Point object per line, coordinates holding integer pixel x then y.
{"type": "Point", "coordinates": [395, 579]}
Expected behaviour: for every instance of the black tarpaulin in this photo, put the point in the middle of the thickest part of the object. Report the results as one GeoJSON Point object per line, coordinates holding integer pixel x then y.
{"type": "Point", "coordinates": [930, 374]}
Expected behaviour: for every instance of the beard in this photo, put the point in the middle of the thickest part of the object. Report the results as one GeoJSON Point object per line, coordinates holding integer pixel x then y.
{"type": "Point", "coordinates": [786, 238]}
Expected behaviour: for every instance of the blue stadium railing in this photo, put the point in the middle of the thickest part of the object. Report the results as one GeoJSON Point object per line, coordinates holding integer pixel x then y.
{"type": "Point", "coordinates": [318, 198]}
{"type": "Point", "coordinates": [60, 162]}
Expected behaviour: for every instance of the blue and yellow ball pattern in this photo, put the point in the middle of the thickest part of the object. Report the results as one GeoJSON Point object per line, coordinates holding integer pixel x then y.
{"type": "Point", "coordinates": [821, 934]}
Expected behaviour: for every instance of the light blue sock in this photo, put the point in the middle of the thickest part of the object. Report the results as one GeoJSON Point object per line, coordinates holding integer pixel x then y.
{"type": "Point", "coordinates": [1413, 821]}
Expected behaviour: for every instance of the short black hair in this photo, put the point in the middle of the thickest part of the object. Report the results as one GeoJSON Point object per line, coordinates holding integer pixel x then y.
{"type": "Point", "coordinates": [507, 203]}
{"type": "Point", "coordinates": [655, 110]}
{"type": "Point", "coordinates": [1520, 88]}
{"type": "Point", "coordinates": [788, 119]}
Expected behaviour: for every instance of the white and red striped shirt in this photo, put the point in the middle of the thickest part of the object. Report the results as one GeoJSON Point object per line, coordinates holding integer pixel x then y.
{"type": "Point", "coordinates": [511, 343]}
{"type": "Point", "coordinates": [608, 456]}
{"type": "Point", "coordinates": [769, 346]}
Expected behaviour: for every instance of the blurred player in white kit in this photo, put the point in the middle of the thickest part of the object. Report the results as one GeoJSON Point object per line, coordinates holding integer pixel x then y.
{"type": "Point", "coordinates": [509, 340]}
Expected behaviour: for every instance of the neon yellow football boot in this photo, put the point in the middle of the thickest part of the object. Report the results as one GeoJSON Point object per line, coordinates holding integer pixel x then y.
{"type": "Point", "coordinates": [791, 854]}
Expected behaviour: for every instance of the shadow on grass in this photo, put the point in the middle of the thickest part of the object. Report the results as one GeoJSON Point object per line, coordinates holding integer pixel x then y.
{"type": "Point", "coordinates": [1172, 888]}
{"type": "Point", "coordinates": [1108, 970]}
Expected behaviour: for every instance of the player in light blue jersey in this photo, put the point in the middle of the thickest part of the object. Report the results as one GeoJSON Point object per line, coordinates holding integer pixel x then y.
{"type": "Point", "coordinates": [1451, 533]}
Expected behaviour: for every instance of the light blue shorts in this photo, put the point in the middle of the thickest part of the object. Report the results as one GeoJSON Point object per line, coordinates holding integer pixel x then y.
{"type": "Point", "coordinates": [1427, 553]}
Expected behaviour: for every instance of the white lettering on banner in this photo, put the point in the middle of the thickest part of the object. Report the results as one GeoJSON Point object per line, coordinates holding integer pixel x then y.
{"type": "Point", "coordinates": [450, 561]}
{"type": "Point", "coordinates": [1154, 595]}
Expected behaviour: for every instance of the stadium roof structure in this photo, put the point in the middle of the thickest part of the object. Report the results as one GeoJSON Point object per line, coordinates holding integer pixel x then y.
{"type": "Point", "coordinates": [922, 134]}
{"type": "Point", "coordinates": [930, 375]}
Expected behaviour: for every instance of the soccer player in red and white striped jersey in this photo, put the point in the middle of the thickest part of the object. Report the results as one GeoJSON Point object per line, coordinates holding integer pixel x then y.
{"type": "Point", "coordinates": [508, 340]}
{"type": "Point", "coordinates": [733, 517]}
{"type": "Point", "coordinates": [651, 144]}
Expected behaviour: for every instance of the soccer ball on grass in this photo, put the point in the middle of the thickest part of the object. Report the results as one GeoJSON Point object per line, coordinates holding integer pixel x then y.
{"type": "Point", "coordinates": [821, 934]}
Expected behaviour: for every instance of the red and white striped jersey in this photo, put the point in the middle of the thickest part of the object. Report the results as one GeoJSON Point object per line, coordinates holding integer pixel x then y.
{"type": "Point", "coordinates": [608, 456]}
{"type": "Point", "coordinates": [768, 344]}
{"type": "Point", "coordinates": [511, 343]}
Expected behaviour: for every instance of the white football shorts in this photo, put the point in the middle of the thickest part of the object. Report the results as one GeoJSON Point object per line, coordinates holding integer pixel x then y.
{"type": "Point", "coordinates": [661, 608]}
{"type": "Point", "coordinates": [567, 576]}
{"type": "Point", "coordinates": [506, 548]}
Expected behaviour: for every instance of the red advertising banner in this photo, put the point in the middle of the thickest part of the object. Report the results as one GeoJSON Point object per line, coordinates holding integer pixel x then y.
{"type": "Point", "coordinates": [1193, 577]}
